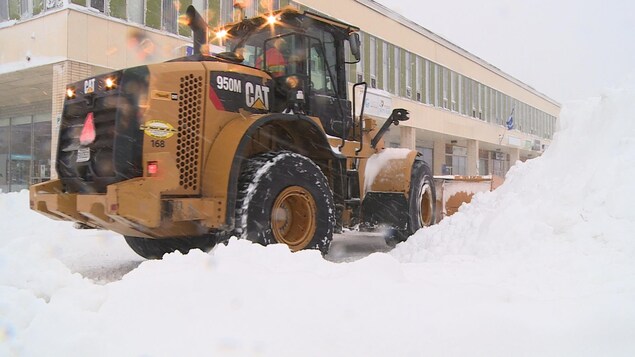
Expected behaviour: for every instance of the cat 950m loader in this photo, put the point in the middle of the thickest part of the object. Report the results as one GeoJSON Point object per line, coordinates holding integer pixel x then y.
{"type": "Point", "coordinates": [259, 142]}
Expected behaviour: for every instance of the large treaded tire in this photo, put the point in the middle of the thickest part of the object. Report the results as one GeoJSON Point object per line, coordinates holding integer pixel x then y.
{"type": "Point", "coordinates": [285, 198]}
{"type": "Point", "coordinates": [421, 204]}
{"type": "Point", "coordinates": [157, 248]}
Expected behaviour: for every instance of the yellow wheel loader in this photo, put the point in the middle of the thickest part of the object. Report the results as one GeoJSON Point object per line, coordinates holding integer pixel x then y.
{"type": "Point", "coordinates": [244, 142]}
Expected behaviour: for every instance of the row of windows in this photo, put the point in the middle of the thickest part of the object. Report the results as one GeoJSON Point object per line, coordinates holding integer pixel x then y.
{"type": "Point", "coordinates": [398, 71]}
{"type": "Point", "coordinates": [159, 14]}
{"type": "Point", "coordinates": [455, 161]}
{"type": "Point", "coordinates": [408, 75]}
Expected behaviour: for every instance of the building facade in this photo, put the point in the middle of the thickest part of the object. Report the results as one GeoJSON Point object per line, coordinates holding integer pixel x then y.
{"type": "Point", "coordinates": [460, 105]}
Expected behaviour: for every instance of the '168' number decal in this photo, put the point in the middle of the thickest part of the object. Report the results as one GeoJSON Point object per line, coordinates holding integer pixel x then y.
{"type": "Point", "coordinates": [158, 143]}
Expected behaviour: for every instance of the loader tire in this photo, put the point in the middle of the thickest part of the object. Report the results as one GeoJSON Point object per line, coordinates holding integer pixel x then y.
{"type": "Point", "coordinates": [156, 248]}
{"type": "Point", "coordinates": [285, 198]}
{"type": "Point", "coordinates": [421, 204]}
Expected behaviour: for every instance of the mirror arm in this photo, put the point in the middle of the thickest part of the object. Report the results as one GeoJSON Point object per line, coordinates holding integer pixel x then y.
{"type": "Point", "coordinates": [397, 115]}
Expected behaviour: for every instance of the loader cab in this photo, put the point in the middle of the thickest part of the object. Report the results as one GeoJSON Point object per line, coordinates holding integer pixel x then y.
{"type": "Point", "coordinates": [305, 55]}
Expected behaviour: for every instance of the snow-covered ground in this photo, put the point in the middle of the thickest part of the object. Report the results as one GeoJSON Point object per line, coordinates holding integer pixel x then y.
{"type": "Point", "coordinates": [544, 266]}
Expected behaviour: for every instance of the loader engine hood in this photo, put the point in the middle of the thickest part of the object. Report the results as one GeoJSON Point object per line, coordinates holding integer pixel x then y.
{"type": "Point", "coordinates": [99, 138]}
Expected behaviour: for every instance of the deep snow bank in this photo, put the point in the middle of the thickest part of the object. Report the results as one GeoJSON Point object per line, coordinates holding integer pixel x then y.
{"type": "Point", "coordinates": [577, 199]}
{"type": "Point", "coordinates": [545, 265]}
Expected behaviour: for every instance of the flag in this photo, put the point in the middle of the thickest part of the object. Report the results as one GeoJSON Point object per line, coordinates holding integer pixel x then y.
{"type": "Point", "coordinates": [510, 121]}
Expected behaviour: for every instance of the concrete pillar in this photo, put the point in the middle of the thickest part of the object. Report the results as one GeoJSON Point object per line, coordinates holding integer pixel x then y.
{"type": "Point", "coordinates": [63, 74]}
{"type": "Point", "coordinates": [438, 157]}
{"type": "Point", "coordinates": [514, 155]}
{"type": "Point", "coordinates": [472, 157]}
{"type": "Point", "coordinates": [408, 137]}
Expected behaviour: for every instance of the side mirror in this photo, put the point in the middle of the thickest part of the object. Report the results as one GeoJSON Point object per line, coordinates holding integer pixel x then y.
{"type": "Point", "coordinates": [353, 39]}
{"type": "Point", "coordinates": [399, 114]}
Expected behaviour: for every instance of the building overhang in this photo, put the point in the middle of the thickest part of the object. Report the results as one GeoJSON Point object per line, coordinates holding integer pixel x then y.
{"type": "Point", "coordinates": [26, 86]}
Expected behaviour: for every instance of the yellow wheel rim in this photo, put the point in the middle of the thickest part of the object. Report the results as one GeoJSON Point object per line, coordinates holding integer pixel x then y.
{"type": "Point", "coordinates": [293, 217]}
{"type": "Point", "coordinates": [426, 206]}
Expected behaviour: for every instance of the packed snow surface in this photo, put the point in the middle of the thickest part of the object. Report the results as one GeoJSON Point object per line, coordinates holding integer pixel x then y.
{"type": "Point", "coordinates": [543, 266]}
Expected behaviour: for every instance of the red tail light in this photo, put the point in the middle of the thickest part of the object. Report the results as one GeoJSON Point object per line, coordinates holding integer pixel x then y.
{"type": "Point", "coordinates": [88, 131]}
{"type": "Point", "coordinates": [153, 168]}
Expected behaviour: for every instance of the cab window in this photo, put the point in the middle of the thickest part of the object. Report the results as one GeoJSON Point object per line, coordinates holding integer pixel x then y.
{"type": "Point", "coordinates": [320, 79]}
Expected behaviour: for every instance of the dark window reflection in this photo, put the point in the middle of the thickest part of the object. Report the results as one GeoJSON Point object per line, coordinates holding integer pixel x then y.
{"type": "Point", "coordinates": [25, 151]}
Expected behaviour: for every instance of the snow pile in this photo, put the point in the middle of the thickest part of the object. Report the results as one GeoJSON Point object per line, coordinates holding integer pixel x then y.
{"type": "Point", "coordinates": [545, 265]}
{"type": "Point", "coordinates": [576, 199]}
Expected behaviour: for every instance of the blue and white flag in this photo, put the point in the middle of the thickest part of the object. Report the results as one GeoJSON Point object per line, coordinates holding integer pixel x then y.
{"type": "Point", "coordinates": [510, 120]}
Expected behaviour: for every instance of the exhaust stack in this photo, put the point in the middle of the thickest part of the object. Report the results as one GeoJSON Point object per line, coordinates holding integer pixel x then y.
{"type": "Point", "coordinates": [198, 27]}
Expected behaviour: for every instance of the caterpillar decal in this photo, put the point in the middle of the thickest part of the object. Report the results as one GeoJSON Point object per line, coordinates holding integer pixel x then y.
{"type": "Point", "coordinates": [231, 91]}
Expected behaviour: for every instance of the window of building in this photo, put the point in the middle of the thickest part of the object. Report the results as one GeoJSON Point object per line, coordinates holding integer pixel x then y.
{"type": "Point", "coordinates": [483, 162]}
{"type": "Point", "coordinates": [526, 118]}
{"type": "Point", "coordinates": [117, 8]}
{"type": "Point", "coordinates": [268, 6]}
{"type": "Point", "coordinates": [418, 79]}
{"type": "Point", "coordinates": [4, 154]}
{"type": "Point", "coordinates": [426, 154]}
{"type": "Point", "coordinates": [26, 9]}
{"type": "Point", "coordinates": [396, 66]}
{"type": "Point", "coordinates": [499, 108]}
{"type": "Point", "coordinates": [20, 153]}
{"type": "Point", "coordinates": [169, 16]}
{"type": "Point", "coordinates": [553, 125]}
{"type": "Point", "coordinates": [445, 75]}
{"type": "Point", "coordinates": [500, 163]}
{"type": "Point", "coordinates": [201, 5]}
{"type": "Point", "coordinates": [96, 4]}
{"type": "Point", "coordinates": [251, 8]}
{"type": "Point", "coordinates": [466, 95]}
{"type": "Point", "coordinates": [226, 11]}
{"type": "Point", "coordinates": [474, 99]}
{"type": "Point", "coordinates": [408, 75]}
{"type": "Point", "coordinates": [455, 160]}
{"type": "Point", "coordinates": [385, 62]}
{"type": "Point", "coordinates": [460, 97]}
{"type": "Point", "coordinates": [4, 11]}
{"type": "Point", "coordinates": [454, 91]}
{"type": "Point", "coordinates": [25, 151]}
{"type": "Point", "coordinates": [520, 118]}
{"type": "Point", "coordinates": [136, 10]}
{"type": "Point", "coordinates": [426, 80]}
{"type": "Point", "coordinates": [153, 14]}
{"type": "Point", "coordinates": [485, 103]}
{"type": "Point", "coordinates": [480, 101]}
{"type": "Point", "coordinates": [182, 28]}
{"type": "Point", "coordinates": [14, 10]}
{"type": "Point", "coordinates": [41, 148]}
{"type": "Point", "coordinates": [436, 88]}
{"type": "Point", "coordinates": [508, 107]}
{"type": "Point", "coordinates": [373, 62]}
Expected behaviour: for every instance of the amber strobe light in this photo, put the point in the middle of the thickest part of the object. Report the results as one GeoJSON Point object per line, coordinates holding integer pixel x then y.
{"type": "Point", "coordinates": [153, 168]}
{"type": "Point", "coordinates": [110, 83]}
{"type": "Point", "coordinates": [70, 93]}
{"type": "Point", "coordinates": [221, 34]}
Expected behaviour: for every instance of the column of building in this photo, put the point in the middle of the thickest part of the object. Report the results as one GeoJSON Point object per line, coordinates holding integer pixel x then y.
{"type": "Point", "coordinates": [472, 157]}
{"type": "Point", "coordinates": [408, 137]}
{"type": "Point", "coordinates": [438, 152]}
